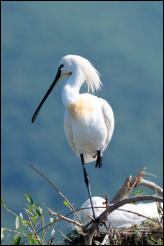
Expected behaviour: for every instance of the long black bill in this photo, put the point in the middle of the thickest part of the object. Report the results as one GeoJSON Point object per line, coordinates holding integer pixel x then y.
{"type": "Point", "coordinates": [46, 95]}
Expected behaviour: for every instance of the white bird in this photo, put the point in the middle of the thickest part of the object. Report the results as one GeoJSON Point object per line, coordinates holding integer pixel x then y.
{"type": "Point", "coordinates": [120, 217]}
{"type": "Point", "coordinates": [88, 119]}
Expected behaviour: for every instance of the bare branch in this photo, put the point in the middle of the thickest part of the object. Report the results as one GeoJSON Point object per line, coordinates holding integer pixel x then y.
{"type": "Point", "coordinates": [122, 193]}
{"type": "Point", "coordinates": [65, 237]}
{"type": "Point", "coordinates": [65, 218]}
{"type": "Point", "coordinates": [128, 186]}
{"type": "Point", "coordinates": [57, 190]}
{"type": "Point", "coordinates": [151, 185]}
{"type": "Point", "coordinates": [34, 231]}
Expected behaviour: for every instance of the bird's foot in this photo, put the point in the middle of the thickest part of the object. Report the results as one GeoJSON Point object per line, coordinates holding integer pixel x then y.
{"type": "Point", "coordinates": [96, 222]}
{"type": "Point", "coordinates": [99, 160]}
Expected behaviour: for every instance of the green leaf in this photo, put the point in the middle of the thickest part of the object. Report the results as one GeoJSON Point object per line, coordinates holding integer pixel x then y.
{"type": "Point", "coordinates": [24, 223]}
{"type": "Point", "coordinates": [139, 192]}
{"type": "Point", "coordinates": [31, 241]}
{"type": "Point", "coordinates": [36, 241]}
{"type": "Point", "coordinates": [34, 219]}
{"type": "Point", "coordinates": [29, 199]}
{"type": "Point", "coordinates": [66, 203]}
{"type": "Point", "coordinates": [16, 239]}
{"type": "Point", "coordinates": [150, 242]}
{"type": "Point", "coordinates": [97, 242]}
{"type": "Point", "coordinates": [2, 203]}
{"type": "Point", "coordinates": [29, 235]}
{"type": "Point", "coordinates": [29, 208]}
{"type": "Point", "coordinates": [38, 212]}
{"type": "Point", "coordinates": [160, 242]}
{"type": "Point", "coordinates": [17, 222]}
{"type": "Point", "coordinates": [152, 238]}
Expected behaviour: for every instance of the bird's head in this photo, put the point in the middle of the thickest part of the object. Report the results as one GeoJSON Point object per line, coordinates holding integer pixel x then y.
{"type": "Point", "coordinates": [68, 65]}
{"type": "Point", "coordinates": [72, 63]}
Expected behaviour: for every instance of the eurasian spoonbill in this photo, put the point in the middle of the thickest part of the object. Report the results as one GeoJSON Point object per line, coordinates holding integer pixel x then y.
{"type": "Point", "coordinates": [88, 119]}
{"type": "Point", "coordinates": [125, 216]}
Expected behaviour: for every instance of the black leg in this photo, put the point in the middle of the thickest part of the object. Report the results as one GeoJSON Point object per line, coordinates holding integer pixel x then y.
{"type": "Point", "coordinates": [99, 159]}
{"type": "Point", "coordinates": [87, 184]}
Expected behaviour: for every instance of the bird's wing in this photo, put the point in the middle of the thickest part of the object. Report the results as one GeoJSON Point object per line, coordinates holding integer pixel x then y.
{"type": "Point", "coordinates": [109, 119]}
{"type": "Point", "coordinates": [68, 129]}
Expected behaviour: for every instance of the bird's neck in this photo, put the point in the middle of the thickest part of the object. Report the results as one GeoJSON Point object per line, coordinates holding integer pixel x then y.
{"type": "Point", "coordinates": [71, 89]}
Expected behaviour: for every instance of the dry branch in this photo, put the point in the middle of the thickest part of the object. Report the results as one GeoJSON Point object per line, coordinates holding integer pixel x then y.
{"type": "Point", "coordinates": [128, 186]}
{"type": "Point", "coordinates": [65, 218]}
{"type": "Point", "coordinates": [122, 193]}
{"type": "Point", "coordinates": [34, 231]}
{"type": "Point", "coordinates": [57, 190]}
{"type": "Point", "coordinates": [151, 185]}
{"type": "Point", "coordinates": [64, 236]}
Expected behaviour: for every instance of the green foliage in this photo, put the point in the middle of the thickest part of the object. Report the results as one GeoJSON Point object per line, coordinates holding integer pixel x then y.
{"type": "Point", "coordinates": [66, 203]}
{"type": "Point", "coordinates": [29, 199]}
{"type": "Point", "coordinates": [153, 241]}
{"type": "Point", "coordinates": [29, 230]}
{"type": "Point", "coordinates": [139, 192]}
{"type": "Point", "coordinates": [16, 239]}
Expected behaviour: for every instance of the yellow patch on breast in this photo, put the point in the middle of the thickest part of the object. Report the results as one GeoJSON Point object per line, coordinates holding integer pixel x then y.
{"type": "Point", "coordinates": [80, 109]}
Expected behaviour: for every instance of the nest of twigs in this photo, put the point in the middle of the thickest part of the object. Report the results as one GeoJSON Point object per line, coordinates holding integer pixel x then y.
{"type": "Point", "coordinates": [148, 233]}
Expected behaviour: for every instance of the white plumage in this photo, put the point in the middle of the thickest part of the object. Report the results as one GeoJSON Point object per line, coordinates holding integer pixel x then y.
{"type": "Point", "coordinates": [88, 120]}
{"type": "Point", "coordinates": [119, 218]}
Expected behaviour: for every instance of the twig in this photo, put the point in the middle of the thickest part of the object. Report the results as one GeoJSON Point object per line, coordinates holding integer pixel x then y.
{"type": "Point", "coordinates": [57, 190]}
{"type": "Point", "coordinates": [79, 209]}
{"type": "Point", "coordinates": [128, 186]}
{"type": "Point", "coordinates": [50, 241]}
{"type": "Point", "coordinates": [150, 174]}
{"type": "Point", "coordinates": [46, 227]}
{"type": "Point", "coordinates": [59, 219]}
{"type": "Point", "coordinates": [65, 237]}
{"type": "Point", "coordinates": [33, 229]}
{"type": "Point", "coordinates": [11, 212]}
{"type": "Point", "coordinates": [122, 193]}
{"type": "Point", "coordinates": [139, 176]}
{"type": "Point", "coordinates": [65, 218]}
{"type": "Point", "coordinates": [50, 224]}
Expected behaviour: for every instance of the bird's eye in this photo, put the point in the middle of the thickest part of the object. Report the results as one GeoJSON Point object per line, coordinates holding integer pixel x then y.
{"type": "Point", "coordinates": [61, 66]}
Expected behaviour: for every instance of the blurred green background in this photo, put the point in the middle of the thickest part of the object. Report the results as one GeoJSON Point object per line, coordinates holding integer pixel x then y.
{"type": "Point", "coordinates": [123, 39]}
